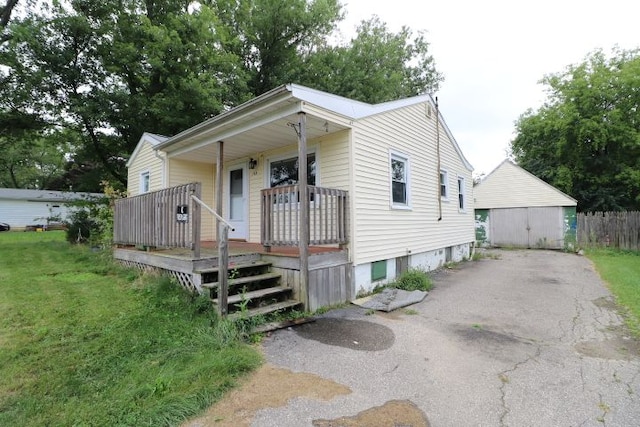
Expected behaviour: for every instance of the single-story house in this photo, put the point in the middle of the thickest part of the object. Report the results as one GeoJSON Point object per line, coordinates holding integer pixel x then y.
{"type": "Point", "coordinates": [22, 208]}
{"type": "Point", "coordinates": [388, 186]}
{"type": "Point", "coordinates": [515, 208]}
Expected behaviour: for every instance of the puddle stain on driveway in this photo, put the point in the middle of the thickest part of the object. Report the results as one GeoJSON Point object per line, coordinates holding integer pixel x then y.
{"type": "Point", "coordinates": [268, 387]}
{"type": "Point", "coordinates": [352, 334]}
{"type": "Point", "coordinates": [393, 413]}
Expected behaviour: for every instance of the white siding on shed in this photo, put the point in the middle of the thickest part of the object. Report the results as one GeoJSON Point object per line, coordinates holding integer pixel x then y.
{"type": "Point", "coordinates": [510, 186]}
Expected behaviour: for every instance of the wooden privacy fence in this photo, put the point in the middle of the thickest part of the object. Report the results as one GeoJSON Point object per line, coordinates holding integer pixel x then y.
{"type": "Point", "coordinates": [281, 220]}
{"type": "Point", "coordinates": [614, 229]}
{"type": "Point", "coordinates": [166, 218]}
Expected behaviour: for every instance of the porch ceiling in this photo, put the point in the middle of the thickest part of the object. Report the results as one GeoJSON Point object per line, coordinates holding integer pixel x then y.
{"type": "Point", "coordinates": [245, 136]}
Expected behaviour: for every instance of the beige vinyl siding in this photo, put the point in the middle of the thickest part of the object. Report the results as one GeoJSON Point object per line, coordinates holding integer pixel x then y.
{"type": "Point", "coordinates": [382, 232]}
{"type": "Point", "coordinates": [145, 161]}
{"type": "Point", "coordinates": [510, 186]}
{"type": "Point", "coordinates": [332, 155]}
{"type": "Point", "coordinates": [184, 172]}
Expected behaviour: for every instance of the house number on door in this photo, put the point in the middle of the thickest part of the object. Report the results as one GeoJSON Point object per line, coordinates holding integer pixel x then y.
{"type": "Point", "coordinates": [182, 213]}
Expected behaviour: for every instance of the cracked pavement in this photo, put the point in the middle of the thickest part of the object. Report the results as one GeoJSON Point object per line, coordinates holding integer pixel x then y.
{"type": "Point", "coordinates": [532, 338]}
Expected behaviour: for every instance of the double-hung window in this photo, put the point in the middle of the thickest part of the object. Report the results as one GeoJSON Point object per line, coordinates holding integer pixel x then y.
{"type": "Point", "coordinates": [461, 194]}
{"type": "Point", "coordinates": [444, 184]}
{"type": "Point", "coordinates": [145, 181]}
{"type": "Point", "coordinates": [400, 191]}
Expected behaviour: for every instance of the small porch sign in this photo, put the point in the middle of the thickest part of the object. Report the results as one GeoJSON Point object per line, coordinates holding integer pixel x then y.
{"type": "Point", "coordinates": [182, 213]}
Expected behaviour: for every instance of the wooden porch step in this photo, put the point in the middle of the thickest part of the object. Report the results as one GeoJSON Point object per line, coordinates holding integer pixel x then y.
{"type": "Point", "coordinates": [237, 266]}
{"type": "Point", "coordinates": [260, 293]}
{"type": "Point", "coordinates": [266, 309]}
{"type": "Point", "coordinates": [243, 280]}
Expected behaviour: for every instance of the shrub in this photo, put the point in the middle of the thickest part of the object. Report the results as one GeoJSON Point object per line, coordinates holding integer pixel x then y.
{"type": "Point", "coordinates": [415, 279]}
{"type": "Point", "coordinates": [80, 226]}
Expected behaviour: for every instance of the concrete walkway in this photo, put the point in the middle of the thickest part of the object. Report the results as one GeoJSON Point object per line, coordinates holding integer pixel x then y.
{"type": "Point", "coordinates": [532, 338]}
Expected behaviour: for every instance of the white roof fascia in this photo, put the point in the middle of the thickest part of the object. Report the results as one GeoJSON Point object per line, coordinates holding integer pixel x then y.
{"type": "Point", "coordinates": [151, 138]}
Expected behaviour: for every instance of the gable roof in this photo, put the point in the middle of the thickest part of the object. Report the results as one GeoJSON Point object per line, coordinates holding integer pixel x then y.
{"type": "Point", "coordinates": [151, 138]}
{"type": "Point", "coordinates": [291, 99]}
{"type": "Point", "coordinates": [510, 186]}
{"type": "Point", "coordinates": [44, 195]}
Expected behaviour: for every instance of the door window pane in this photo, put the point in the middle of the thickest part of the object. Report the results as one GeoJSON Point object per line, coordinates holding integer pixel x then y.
{"type": "Point", "coordinates": [236, 205]}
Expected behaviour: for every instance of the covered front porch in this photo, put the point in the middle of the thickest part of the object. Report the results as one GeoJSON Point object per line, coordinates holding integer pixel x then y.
{"type": "Point", "coordinates": [248, 179]}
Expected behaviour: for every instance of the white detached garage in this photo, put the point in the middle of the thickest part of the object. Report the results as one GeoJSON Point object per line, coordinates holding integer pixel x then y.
{"type": "Point", "coordinates": [515, 208]}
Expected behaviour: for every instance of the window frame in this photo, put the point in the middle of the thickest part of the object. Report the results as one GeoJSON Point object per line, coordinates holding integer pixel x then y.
{"type": "Point", "coordinates": [445, 183]}
{"type": "Point", "coordinates": [398, 155]}
{"type": "Point", "coordinates": [462, 194]}
{"type": "Point", "coordinates": [145, 178]}
{"type": "Point", "coordinates": [288, 156]}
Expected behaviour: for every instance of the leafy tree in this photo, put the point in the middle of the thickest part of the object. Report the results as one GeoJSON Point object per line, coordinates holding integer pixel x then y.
{"type": "Point", "coordinates": [585, 139]}
{"type": "Point", "coordinates": [102, 73]}
{"type": "Point", "coordinates": [110, 70]}
{"type": "Point", "coordinates": [271, 35]}
{"type": "Point", "coordinates": [376, 66]}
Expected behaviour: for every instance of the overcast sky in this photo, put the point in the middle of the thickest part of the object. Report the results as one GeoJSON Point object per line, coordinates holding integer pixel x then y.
{"type": "Point", "coordinates": [493, 53]}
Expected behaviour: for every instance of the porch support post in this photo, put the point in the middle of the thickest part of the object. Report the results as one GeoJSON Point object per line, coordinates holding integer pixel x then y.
{"type": "Point", "coordinates": [304, 208]}
{"type": "Point", "coordinates": [222, 236]}
{"type": "Point", "coordinates": [196, 214]}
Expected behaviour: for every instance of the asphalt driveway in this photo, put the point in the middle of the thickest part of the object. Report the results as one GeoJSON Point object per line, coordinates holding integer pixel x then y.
{"type": "Point", "coordinates": [532, 338]}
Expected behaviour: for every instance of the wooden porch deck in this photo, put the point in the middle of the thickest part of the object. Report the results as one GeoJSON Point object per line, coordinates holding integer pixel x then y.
{"type": "Point", "coordinates": [209, 249]}
{"type": "Point", "coordinates": [329, 267]}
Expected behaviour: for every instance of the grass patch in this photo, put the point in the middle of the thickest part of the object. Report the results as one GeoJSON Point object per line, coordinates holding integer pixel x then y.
{"type": "Point", "coordinates": [621, 271]}
{"type": "Point", "coordinates": [84, 342]}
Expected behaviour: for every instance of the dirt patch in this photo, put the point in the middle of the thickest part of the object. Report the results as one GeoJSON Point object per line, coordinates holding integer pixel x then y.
{"type": "Point", "coordinates": [395, 413]}
{"type": "Point", "coordinates": [481, 335]}
{"type": "Point", "coordinates": [268, 387]}
{"type": "Point", "coordinates": [613, 349]}
{"type": "Point", "coordinates": [622, 346]}
{"type": "Point", "coordinates": [605, 302]}
{"type": "Point", "coordinates": [352, 334]}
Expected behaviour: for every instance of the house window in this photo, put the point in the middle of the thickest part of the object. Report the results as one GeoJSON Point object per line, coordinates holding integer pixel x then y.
{"type": "Point", "coordinates": [461, 195]}
{"type": "Point", "coordinates": [285, 172]}
{"type": "Point", "coordinates": [444, 184]}
{"type": "Point", "coordinates": [399, 168]}
{"type": "Point", "coordinates": [144, 182]}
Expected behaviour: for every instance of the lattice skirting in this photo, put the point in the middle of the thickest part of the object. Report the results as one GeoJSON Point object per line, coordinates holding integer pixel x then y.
{"type": "Point", "coordinates": [184, 279]}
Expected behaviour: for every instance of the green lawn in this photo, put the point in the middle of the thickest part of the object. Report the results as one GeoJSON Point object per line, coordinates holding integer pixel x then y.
{"type": "Point", "coordinates": [621, 270]}
{"type": "Point", "coordinates": [83, 342]}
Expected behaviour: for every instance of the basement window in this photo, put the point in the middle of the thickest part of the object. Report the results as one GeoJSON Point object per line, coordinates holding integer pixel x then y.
{"type": "Point", "coordinates": [378, 270]}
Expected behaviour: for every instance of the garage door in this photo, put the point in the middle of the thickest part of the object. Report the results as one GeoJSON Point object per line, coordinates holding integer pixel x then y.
{"type": "Point", "coordinates": [527, 227]}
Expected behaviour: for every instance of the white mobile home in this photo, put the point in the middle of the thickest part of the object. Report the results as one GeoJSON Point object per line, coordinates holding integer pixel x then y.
{"type": "Point", "coordinates": [21, 208]}
{"type": "Point", "coordinates": [388, 186]}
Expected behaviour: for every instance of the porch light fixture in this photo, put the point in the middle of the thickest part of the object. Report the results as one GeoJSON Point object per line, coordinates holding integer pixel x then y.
{"type": "Point", "coordinates": [253, 163]}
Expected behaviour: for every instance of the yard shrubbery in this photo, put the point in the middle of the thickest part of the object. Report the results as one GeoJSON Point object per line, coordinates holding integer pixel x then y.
{"type": "Point", "coordinates": [415, 279]}
{"type": "Point", "coordinates": [84, 342]}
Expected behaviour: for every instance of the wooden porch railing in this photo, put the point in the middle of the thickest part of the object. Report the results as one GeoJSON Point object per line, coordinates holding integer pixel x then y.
{"type": "Point", "coordinates": [166, 218]}
{"type": "Point", "coordinates": [281, 220]}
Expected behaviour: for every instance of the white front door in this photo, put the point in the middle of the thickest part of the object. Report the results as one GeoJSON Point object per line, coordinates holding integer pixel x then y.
{"type": "Point", "coordinates": [237, 191]}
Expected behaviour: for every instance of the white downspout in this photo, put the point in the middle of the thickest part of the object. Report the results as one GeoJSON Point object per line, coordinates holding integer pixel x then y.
{"type": "Point", "coordinates": [164, 167]}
